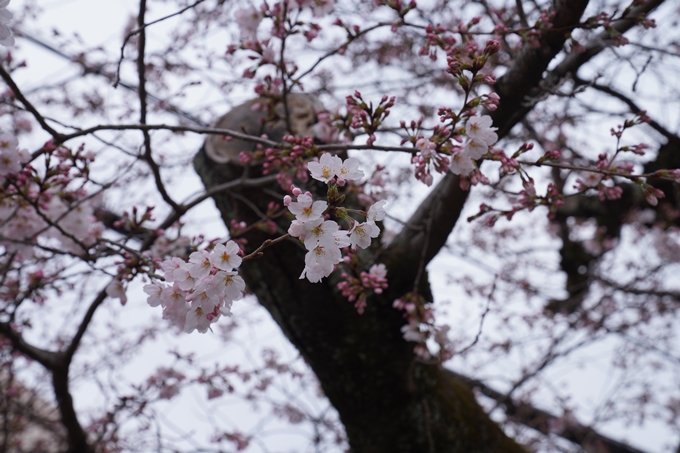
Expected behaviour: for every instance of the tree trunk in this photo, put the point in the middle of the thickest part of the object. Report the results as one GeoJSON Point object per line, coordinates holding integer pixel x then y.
{"type": "Point", "coordinates": [387, 400]}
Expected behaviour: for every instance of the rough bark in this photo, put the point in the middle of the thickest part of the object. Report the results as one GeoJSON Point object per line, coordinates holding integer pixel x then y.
{"type": "Point", "coordinates": [388, 401]}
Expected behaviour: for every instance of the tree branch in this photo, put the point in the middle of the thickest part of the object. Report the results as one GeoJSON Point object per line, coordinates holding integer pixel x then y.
{"type": "Point", "coordinates": [634, 108]}
{"type": "Point", "coordinates": [75, 342]}
{"type": "Point", "coordinates": [46, 358]}
{"type": "Point", "coordinates": [27, 104]}
{"type": "Point", "coordinates": [544, 422]}
{"type": "Point", "coordinates": [522, 103]}
{"type": "Point", "coordinates": [446, 201]}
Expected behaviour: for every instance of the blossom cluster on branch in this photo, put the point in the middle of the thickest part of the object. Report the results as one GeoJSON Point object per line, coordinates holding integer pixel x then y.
{"type": "Point", "coordinates": [202, 289]}
{"type": "Point", "coordinates": [37, 206]}
{"type": "Point", "coordinates": [323, 238]}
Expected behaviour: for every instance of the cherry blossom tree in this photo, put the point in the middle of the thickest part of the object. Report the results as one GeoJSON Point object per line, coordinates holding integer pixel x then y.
{"type": "Point", "coordinates": [373, 165]}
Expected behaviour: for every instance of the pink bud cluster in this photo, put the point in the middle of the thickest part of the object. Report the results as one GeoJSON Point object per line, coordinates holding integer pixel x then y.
{"type": "Point", "coordinates": [202, 289]}
{"type": "Point", "coordinates": [6, 38]}
{"type": "Point", "coordinates": [356, 289]}
{"type": "Point", "coordinates": [365, 117]}
{"type": "Point", "coordinates": [427, 159]}
{"type": "Point", "coordinates": [167, 381]}
{"type": "Point", "coordinates": [249, 20]}
{"type": "Point", "coordinates": [288, 162]}
{"type": "Point", "coordinates": [41, 205]}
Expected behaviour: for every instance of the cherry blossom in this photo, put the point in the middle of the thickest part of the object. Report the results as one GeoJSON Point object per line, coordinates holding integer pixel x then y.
{"type": "Point", "coordinates": [461, 164]}
{"type": "Point", "coordinates": [426, 148]}
{"type": "Point", "coordinates": [9, 161]}
{"type": "Point", "coordinates": [7, 141]}
{"type": "Point", "coordinates": [322, 8]}
{"type": "Point", "coordinates": [362, 233]}
{"type": "Point", "coordinates": [479, 127]}
{"type": "Point", "coordinates": [305, 208]}
{"type": "Point", "coordinates": [200, 319]}
{"type": "Point", "coordinates": [116, 290]}
{"type": "Point", "coordinates": [591, 179]}
{"type": "Point", "coordinates": [323, 238]}
{"type": "Point", "coordinates": [349, 170]}
{"type": "Point", "coordinates": [475, 148]}
{"type": "Point", "coordinates": [171, 265]}
{"type": "Point", "coordinates": [330, 166]}
{"type": "Point", "coordinates": [320, 231]}
{"type": "Point", "coordinates": [6, 38]}
{"type": "Point", "coordinates": [154, 290]}
{"type": "Point", "coordinates": [182, 276]}
{"type": "Point", "coordinates": [248, 20]}
{"type": "Point", "coordinates": [175, 308]}
{"type": "Point", "coordinates": [341, 239]}
{"type": "Point", "coordinates": [201, 264]}
{"type": "Point", "coordinates": [297, 229]}
{"type": "Point", "coordinates": [411, 332]}
{"type": "Point", "coordinates": [376, 212]}
{"type": "Point", "coordinates": [320, 262]}
{"type": "Point", "coordinates": [226, 257]}
{"type": "Point", "coordinates": [204, 295]}
{"type": "Point", "coordinates": [202, 289]}
{"type": "Point", "coordinates": [378, 271]}
{"type": "Point", "coordinates": [326, 169]}
{"type": "Point", "coordinates": [231, 284]}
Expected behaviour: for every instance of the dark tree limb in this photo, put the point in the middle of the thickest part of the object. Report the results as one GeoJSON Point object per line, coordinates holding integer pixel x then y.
{"type": "Point", "coordinates": [634, 108]}
{"type": "Point", "coordinates": [28, 105]}
{"type": "Point", "coordinates": [521, 103]}
{"type": "Point", "coordinates": [58, 365]}
{"type": "Point", "coordinates": [46, 358]}
{"type": "Point", "coordinates": [443, 206]}
{"type": "Point", "coordinates": [547, 423]}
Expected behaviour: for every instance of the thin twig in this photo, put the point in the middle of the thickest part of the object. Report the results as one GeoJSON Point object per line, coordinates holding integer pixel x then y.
{"type": "Point", "coordinates": [19, 95]}
{"type": "Point", "coordinates": [481, 321]}
{"type": "Point", "coordinates": [268, 243]}
{"type": "Point", "coordinates": [139, 30]}
{"type": "Point", "coordinates": [141, 69]}
{"type": "Point", "coordinates": [521, 14]}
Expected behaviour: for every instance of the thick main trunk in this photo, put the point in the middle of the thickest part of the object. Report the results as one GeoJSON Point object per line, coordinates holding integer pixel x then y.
{"type": "Point", "coordinates": [387, 400]}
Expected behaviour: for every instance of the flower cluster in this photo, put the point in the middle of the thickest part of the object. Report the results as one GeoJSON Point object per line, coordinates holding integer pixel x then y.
{"type": "Point", "coordinates": [6, 38]}
{"type": "Point", "coordinates": [35, 208]}
{"type": "Point", "coordinates": [323, 238]}
{"type": "Point", "coordinates": [202, 289]}
{"type": "Point", "coordinates": [480, 136]}
{"type": "Point", "coordinates": [330, 167]}
{"type": "Point", "coordinates": [11, 157]}
{"type": "Point", "coordinates": [421, 327]}
{"type": "Point", "coordinates": [248, 20]}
